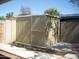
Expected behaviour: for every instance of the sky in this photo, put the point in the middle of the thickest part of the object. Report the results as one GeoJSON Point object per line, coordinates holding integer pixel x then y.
{"type": "Point", "coordinates": [38, 6]}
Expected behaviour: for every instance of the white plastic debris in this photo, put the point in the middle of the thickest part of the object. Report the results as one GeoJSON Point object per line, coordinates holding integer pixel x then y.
{"type": "Point", "coordinates": [32, 54]}
{"type": "Point", "coordinates": [17, 51]}
{"type": "Point", "coordinates": [48, 56]}
{"type": "Point", "coordinates": [71, 56]}
{"type": "Point", "coordinates": [62, 46]}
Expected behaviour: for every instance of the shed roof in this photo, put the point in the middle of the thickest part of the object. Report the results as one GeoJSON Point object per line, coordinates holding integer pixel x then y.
{"type": "Point", "coordinates": [70, 17]}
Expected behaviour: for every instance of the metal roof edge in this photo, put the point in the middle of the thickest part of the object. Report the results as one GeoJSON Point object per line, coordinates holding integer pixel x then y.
{"type": "Point", "coordinates": [38, 15]}
{"type": "Point", "coordinates": [53, 16]}
{"type": "Point", "coordinates": [27, 15]}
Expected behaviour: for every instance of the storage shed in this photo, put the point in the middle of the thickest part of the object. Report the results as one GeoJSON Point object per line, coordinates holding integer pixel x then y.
{"type": "Point", "coordinates": [37, 30]}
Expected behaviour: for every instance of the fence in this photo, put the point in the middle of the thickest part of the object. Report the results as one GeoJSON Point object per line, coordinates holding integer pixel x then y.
{"type": "Point", "coordinates": [1, 31]}
{"type": "Point", "coordinates": [7, 31]}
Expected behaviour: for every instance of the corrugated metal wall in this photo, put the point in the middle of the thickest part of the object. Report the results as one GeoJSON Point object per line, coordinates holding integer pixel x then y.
{"type": "Point", "coordinates": [36, 30]}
